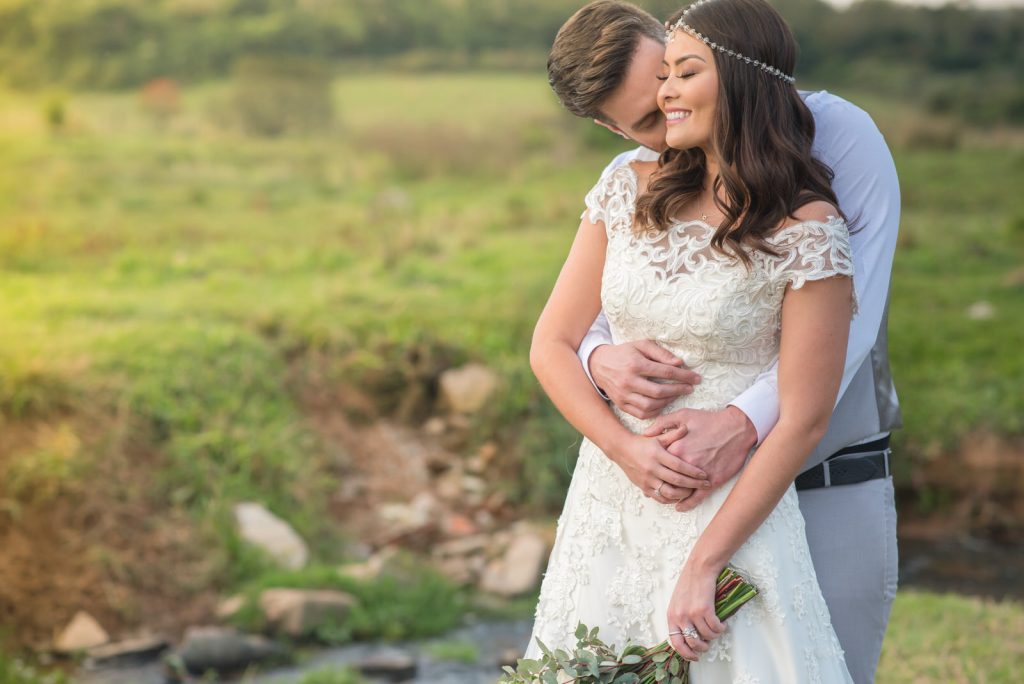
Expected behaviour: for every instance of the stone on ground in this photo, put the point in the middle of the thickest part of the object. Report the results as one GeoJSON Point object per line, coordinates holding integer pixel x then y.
{"type": "Point", "coordinates": [389, 663]}
{"type": "Point", "coordinates": [263, 529]}
{"type": "Point", "coordinates": [83, 632]}
{"type": "Point", "coordinates": [299, 612]}
{"type": "Point", "coordinates": [129, 650]}
{"type": "Point", "coordinates": [467, 389]}
{"type": "Point", "coordinates": [519, 568]}
{"type": "Point", "coordinates": [224, 649]}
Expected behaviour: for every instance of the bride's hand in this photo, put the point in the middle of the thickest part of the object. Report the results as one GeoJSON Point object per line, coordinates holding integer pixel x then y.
{"type": "Point", "coordinates": [693, 606]}
{"type": "Point", "coordinates": [647, 464]}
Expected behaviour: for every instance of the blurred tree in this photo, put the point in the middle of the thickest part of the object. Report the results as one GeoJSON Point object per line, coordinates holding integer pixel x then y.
{"type": "Point", "coordinates": [274, 96]}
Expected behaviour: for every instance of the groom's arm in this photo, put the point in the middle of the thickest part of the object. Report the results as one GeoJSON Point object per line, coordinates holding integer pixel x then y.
{"type": "Point", "coordinates": [625, 373]}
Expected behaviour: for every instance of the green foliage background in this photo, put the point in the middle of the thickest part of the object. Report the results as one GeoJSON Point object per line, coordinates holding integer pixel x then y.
{"type": "Point", "coordinates": [932, 54]}
{"type": "Point", "coordinates": [209, 207]}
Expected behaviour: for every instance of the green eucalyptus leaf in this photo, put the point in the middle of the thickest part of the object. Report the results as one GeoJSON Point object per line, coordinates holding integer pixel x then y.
{"type": "Point", "coordinates": [631, 659]}
{"type": "Point", "coordinates": [674, 666]}
{"type": "Point", "coordinates": [581, 631]}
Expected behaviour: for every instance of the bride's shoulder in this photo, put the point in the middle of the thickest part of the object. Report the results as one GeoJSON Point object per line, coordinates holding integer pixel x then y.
{"type": "Point", "coordinates": [817, 211]}
{"type": "Point", "coordinates": [817, 217]}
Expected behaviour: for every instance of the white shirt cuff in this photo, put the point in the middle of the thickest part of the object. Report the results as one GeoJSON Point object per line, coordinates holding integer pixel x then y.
{"type": "Point", "coordinates": [587, 347]}
{"type": "Point", "coordinates": [760, 403]}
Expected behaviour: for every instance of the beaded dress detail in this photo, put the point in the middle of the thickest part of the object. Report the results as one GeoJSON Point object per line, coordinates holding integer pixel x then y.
{"type": "Point", "coordinates": [617, 554]}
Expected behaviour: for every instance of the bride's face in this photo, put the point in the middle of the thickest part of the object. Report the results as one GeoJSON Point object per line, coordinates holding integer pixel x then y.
{"type": "Point", "coordinates": [689, 93]}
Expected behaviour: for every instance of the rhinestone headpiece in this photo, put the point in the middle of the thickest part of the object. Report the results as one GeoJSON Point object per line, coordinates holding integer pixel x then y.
{"type": "Point", "coordinates": [683, 26]}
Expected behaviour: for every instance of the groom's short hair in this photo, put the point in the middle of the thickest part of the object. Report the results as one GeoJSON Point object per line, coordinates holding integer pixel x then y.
{"type": "Point", "coordinates": [593, 51]}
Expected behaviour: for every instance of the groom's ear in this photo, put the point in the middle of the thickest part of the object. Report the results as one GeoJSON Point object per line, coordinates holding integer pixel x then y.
{"type": "Point", "coordinates": [612, 127]}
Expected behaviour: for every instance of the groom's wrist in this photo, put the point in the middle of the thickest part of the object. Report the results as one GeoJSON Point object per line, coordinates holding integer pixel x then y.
{"type": "Point", "coordinates": [743, 426]}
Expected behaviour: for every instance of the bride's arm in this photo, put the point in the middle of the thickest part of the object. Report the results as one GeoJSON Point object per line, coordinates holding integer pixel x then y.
{"type": "Point", "coordinates": [568, 314]}
{"type": "Point", "coordinates": [815, 328]}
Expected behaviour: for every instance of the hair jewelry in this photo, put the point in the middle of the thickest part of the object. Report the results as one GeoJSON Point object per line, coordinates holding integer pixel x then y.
{"type": "Point", "coordinates": [682, 25]}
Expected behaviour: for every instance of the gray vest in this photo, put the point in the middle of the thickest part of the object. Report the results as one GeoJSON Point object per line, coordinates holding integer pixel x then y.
{"type": "Point", "coordinates": [868, 406]}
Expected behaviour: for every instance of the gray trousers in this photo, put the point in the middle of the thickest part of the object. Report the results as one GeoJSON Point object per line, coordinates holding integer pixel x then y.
{"type": "Point", "coordinates": [851, 530]}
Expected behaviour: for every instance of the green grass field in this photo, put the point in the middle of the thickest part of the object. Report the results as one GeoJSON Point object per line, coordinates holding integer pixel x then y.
{"type": "Point", "coordinates": [170, 286]}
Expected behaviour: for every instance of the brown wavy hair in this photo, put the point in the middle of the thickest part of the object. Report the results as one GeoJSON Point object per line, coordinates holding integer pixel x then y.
{"type": "Point", "coordinates": [761, 136]}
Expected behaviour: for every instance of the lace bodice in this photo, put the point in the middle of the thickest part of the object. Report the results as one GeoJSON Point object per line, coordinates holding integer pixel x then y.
{"type": "Point", "coordinates": [721, 317]}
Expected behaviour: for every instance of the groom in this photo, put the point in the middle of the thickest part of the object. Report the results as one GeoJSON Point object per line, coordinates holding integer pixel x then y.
{"type": "Point", "coordinates": [603, 66]}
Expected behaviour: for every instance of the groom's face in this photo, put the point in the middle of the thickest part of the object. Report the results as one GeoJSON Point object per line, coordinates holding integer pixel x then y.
{"type": "Point", "coordinates": [633, 106]}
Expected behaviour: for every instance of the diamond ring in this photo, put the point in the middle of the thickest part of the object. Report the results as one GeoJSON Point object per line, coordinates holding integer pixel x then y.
{"type": "Point", "coordinates": [657, 492]}
{"type": "Point", "coordinates": [690, 633]}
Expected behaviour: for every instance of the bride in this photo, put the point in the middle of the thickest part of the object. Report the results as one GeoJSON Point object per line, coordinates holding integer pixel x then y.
{"type": "Point", "coordinates": [729, 251]}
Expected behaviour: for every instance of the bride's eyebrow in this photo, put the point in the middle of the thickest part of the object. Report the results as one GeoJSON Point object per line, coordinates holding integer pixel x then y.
{"type": "Point", "coordinates": [683, 59]}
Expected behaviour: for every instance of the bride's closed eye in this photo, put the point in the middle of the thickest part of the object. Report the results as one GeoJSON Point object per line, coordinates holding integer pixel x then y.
{"type": "Point", "coordinates": [684, 76]}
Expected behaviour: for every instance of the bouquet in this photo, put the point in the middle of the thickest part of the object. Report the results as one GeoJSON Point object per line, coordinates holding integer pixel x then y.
{"type": "Point", "coordinates": [594, 661]}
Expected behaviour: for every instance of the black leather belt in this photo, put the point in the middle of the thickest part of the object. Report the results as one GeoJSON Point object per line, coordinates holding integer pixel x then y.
{"type": "Point", "coordinates": [873, 463]}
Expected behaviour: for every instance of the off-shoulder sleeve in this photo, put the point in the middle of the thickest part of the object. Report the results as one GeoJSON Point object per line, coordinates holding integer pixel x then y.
{"type": "Point", "coordinates": [814, 250]}
{"type": "Point", "coordinates": [612, 200]}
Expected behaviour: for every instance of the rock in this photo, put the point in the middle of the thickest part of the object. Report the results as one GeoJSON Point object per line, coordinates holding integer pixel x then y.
{"type": "Point", "coordinates": [518, 570]}
{"type": "Point", "coordinates": [407, 517]}
{"type": "Point", "coordinates": [449, 484]}
{"type": "Point", "coordinates": [487, 452]}
{"type": "Point", "coordinates": [484, 518]}
{"type": "Point", "coordinates": [467, 389]}
{"type": "Point", "coordinates": [82, 633]}
{"type": "Point", "coordinates": [461, 570]}
{"type": "Point", "coordinates": [263, 529]}
{"type": "Point", "coordinates": [127, 651]}
{"type": "Point", "coordinates": [458, 525]}
{"type": "Point", "coordinates": [227, 608]}
{"type": "Point", "coordinates": [372, 567]}
{"type": "Point", "coordinates": [364, 572]}
{"type": "Point", "coordinates": [475, 489]}
{"type": "Point", "coordinates": [462, 546]}
{"type": "Point", "coordinates": [435, 426]}
{"type": "Point", "coordinates": [223, 649]}
{"type": "Point", "coordinates": [981, 311]}
{"type": "Point", "coordinates": [299, 612]}
{"type": "Point", "coordinates": [389, 663]}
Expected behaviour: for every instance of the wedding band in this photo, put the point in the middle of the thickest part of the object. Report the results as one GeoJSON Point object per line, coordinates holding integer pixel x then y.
{"type": "Point", "coordinates": [690, 633]}
{"type": "Point", "coordinates": [678, 631]}
{"type": "Point", "coordinates": [657, 492]}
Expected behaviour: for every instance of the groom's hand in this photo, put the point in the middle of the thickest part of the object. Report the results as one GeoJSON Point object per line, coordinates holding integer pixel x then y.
{"type": "Point", "coordinates": [626, 373]}
{"type": "Point", "coordinates": [717, 442]}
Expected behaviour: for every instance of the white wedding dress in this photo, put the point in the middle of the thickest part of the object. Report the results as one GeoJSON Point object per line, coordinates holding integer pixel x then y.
{"type": "Point", "coordinates": [617, 554]}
